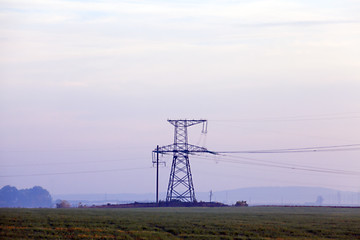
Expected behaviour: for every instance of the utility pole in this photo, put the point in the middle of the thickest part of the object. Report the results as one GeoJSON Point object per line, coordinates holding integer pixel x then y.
{"type": "Point", "coordinates": [157, 175]}
{"type": "Point", "coordinates": [181, 186]}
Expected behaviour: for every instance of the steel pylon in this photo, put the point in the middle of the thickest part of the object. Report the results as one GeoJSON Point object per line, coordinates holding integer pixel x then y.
{"type": "Point", "coordinates": [180, 185]}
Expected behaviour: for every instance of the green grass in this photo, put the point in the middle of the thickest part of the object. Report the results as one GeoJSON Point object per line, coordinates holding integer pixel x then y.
{"type": "Point", "coordinates": [181, 223]}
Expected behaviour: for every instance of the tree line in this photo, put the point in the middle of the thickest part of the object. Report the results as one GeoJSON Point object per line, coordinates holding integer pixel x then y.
{"type": "Point", "coordinates": [36, 197]}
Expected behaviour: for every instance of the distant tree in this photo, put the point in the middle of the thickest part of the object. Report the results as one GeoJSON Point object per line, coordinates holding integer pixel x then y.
{"type": "Point", "coordinates": [9, 196]}
{"type": "Point", "coordinates": [63, 204]}
{"type": "Point", "coordinates": [241, 204]}
{"type": "Point", "coordinates": [29, 198]}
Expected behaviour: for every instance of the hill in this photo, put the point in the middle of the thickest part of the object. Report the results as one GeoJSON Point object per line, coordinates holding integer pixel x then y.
{"type": "Point", "coordinates": [254, 196]}
{"type": "Point", "coordinates": [286, 196]}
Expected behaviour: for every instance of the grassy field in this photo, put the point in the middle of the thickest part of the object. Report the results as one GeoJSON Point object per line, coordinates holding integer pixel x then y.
{"type": "Point", "coordinates": [181, 223]}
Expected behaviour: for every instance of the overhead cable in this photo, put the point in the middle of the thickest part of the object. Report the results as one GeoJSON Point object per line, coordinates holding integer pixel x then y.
{"type": "Point", "coordinates": [77, 172]}
{"type": "Point", "coordinates": [334, 148]}
{"type": "Point", "coordinates": [263, 163]}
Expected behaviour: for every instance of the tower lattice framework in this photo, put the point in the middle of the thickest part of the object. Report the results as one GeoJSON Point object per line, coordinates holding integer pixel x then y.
{"type": "Point", "coordinates": [180, 185]}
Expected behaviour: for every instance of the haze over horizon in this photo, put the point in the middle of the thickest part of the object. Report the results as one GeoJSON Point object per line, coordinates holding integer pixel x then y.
{"type": "Point", "coordinates": [86, 88]}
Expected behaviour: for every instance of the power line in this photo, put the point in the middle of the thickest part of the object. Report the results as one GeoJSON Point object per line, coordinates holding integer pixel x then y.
{"type": "Point", "coordinates": [318, 117]}
{"type": "Point", "coordinates": [334, 148]}
{"type": "Point", "coordinates": [224, 157]}
{"type": "Point", "coordinates": [77, 172]}
{"type": "Point", "coordinates": [287, 120]}
{"type": "Point", "coordinates": [297, 166]}
{"type": "Point", "coordinates": [67, 163]}
{"type": "Point", "coordinates": [276, 178]}
{"type": "Point", "coordinates": [119, 148]}
{"type": "Point", "coordinates": [264, 163]}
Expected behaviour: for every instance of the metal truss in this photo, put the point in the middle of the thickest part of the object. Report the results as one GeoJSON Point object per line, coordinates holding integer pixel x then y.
{"type": "Point", "coordinates": [181, 186]}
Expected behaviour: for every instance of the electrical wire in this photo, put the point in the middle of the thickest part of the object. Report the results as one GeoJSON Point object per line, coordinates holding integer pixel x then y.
{"type": "Point", "coordinates": [298, 166]}
{"type": "Point", "coordinates": [264, 163]}
{"type": "Point", "coordinates": [77, 172]}
{"type": "Point", "coordinates": [225, 157]}
{"type": "Point", "coordinates": [116, 148]}
{"type": "Point", "coordinates": [318, 117]}
{"type": "Point", "coordinates": [66, 163]}
{"type": "Point", "coordinates": [334, 148]}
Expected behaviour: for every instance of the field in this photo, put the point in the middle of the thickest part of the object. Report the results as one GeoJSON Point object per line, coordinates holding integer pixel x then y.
{"type": "Point", "coordinates": [181, 223]}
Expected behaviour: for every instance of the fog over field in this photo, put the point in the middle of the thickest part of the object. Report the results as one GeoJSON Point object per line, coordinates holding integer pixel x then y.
{"type": "Point", "coordinates": [86, 88]}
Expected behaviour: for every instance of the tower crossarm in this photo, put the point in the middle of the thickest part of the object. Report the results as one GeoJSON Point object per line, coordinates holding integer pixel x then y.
{"type": "Point", "coordinates": [183, 148]}
{"type": "Point", "coordinates": [185, 122]}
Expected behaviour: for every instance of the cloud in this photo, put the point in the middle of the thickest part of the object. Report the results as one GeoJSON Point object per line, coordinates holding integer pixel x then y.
{"type": "Point", "coordinates": [300, 23]}
{"type": "Point", "coordinates": [262, 10]}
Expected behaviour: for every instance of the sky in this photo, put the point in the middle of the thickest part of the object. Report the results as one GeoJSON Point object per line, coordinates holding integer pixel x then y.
{"type": "Point", "coordinates": [87, 87]}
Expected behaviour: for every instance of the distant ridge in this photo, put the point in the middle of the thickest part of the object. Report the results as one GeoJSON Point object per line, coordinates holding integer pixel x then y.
{"type": "Point", "coordinates": [312, 196]}
{"type": "Point", "coordinates": [287, 196]}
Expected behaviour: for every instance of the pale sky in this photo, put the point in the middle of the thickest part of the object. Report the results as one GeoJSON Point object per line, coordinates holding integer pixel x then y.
{"type": "Point", "coordinates": [86, 88]}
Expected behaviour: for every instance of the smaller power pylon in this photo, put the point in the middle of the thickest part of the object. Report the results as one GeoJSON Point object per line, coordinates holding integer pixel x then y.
{"type": "Point", "coordinates": [181, 186]}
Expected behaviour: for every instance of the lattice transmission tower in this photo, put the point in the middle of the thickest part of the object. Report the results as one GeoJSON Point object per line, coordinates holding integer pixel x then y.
{"type": "Point", "coordinates": [180, 182]}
